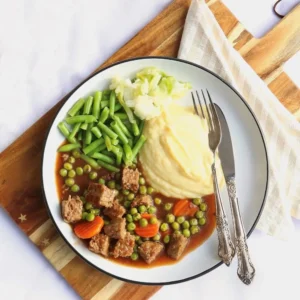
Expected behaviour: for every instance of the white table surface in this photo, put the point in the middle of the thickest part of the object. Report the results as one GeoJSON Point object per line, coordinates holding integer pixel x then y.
{"type": "Point", "coordinates": [46, 49]}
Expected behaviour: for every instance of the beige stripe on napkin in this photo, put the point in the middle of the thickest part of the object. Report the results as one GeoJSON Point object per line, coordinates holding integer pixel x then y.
{"type": "Point", "coordinates": [203, 42]}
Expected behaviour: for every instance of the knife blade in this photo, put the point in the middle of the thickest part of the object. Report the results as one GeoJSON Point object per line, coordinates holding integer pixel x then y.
{"type": "Point", "coordinates": [246, 270]}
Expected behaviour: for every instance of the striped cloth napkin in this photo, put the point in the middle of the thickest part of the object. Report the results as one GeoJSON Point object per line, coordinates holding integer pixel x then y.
{"type": "Point", "coordinates": [203, 42]}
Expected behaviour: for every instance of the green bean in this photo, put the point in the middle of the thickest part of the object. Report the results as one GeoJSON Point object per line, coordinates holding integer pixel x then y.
{"type": "Point", "coordinates": [108, 153]}
{"type": "Point", "coordinates": [79, 135]}
{"type": "Point", "coordinates": [96, 131]}
{"type": "Point", "coordinates": [115, 142]}
{"type": "Point", "coordinates": [107, 141]}
{"type": "Point", "coordinates": [118, 106]}
{"type": "Point", "coordinates": [127, 151]}
{"type": "Point", "coordinates": [84, 126]}
{"type": "Point", "coordinates": [135, 129]}
{"type": "Point", "coordinates": [88, 105]}
{"type": "Point", "coordinates": [96, 104]}
{"type": "Point", "coordinates": [75, 130]}
{"type": "Point", "coordinates": [122, 126]}
{"type": "Point", "coordinates": [108, 166]}
{"type": "Point", "coordinates": [104, 103]}
{"type": "Point", "coordinates": [98, 149]}
{"type": "Point", "coordinates": [90, 161]}
{"type": "Point", "coordinates": [119, 132]}
{"type": "Point", "coordinates": [130, 142]}
{"type": "Point", "coordinates": [80, 119]}
{"type": "Point", "coordinates": [122, 116]}
{"type": "Point", "coordinates": [63, 129]}
{"type": "Point", "coordinates": [68, 147]}
{"type": "Point", "coordinates": [93, 146]}
{"type": "Point", "coordinates": [76, 107]}
{"type": "Point", "coordinates": [141, 129]}
{"type": "Point", "coordinates": [88, 135]}
{"type": "Point", "coordinates": [112, 103]}
{"type": "Point", "coordinates": [119, 156]}
{"type": "Point", "coordinates": [107, 130]}
{"type": "Point", "coordinates": [106, 92]}
{"type": "Point", "coordinates": [115, 150]}
{"type": "Point", "coordinates": [138, 145]}
{"type": "Point", "coordinates": [103, 157]}
{"type": "Point", "coordinates": [104, 115]}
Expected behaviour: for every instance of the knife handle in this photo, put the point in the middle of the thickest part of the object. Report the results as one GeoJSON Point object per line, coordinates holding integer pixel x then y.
{"type": "Point", "coordinates": [226, 248]}
{"type": "Point", "coordinates": [246, 270]}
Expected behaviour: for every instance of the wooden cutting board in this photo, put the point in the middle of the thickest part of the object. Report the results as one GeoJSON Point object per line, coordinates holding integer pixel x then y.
{"type": "Point", "coordinates": [20, 190]}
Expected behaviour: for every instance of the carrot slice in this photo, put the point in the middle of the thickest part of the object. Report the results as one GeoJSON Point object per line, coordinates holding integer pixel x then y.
{"type": "Point", "coordinates": [86, 230]}
{"type": "Point", "coordinates": [184, 207]}
{"type": "Point", "coordinates": [150, 230]}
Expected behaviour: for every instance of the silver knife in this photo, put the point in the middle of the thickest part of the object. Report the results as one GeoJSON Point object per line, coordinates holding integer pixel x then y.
{"type": "Point", "coordinates": [246, 269]}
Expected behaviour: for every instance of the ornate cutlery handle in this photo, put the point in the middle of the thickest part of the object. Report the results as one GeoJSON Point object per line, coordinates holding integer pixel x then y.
{"type": "Point", "coordinates": [246, 269]}
{"type": "Point", "coordinates": [226, 248]}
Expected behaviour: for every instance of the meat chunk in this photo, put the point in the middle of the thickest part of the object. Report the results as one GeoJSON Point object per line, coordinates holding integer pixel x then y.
{"type": "Point", "coordinates": [100, 244]}
{"type": "Point", "coordinates": [149, 251]}
{"type": "Point", "coordinates": [116, 228]}
{"type": "Point", "coordinates": [124, 247]}
{"type": "Point", "coordinates": [100, 195]}
{"type": "Point", "coordinates": [116, 211]}
{"type": "Point", "coordinates": [177, 246]}
{"type": "Point", "coordinates": [130, 179]}
{"type": "Point", "coordinates": [142, 200]}
{"type": "Point", "coordinates": [71, 209]}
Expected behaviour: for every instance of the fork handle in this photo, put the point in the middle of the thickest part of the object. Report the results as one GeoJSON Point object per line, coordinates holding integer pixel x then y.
{"type": "Point", "coordinates": [226, 248]}
{"type": "Point", "coordinates": [246, 270]}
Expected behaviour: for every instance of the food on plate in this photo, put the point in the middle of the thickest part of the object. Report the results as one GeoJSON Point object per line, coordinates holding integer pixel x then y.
{"type": "Point", "coordinates": [133, 174]}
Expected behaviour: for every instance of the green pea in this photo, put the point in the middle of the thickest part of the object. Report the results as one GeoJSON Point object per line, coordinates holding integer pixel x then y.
{"type": "Point", "coordinates": [156, 238]}
{"type": "Point", "coordinates": [88, 206]}
{"type": "Point", "coordinates": [135, 248]}
{"type": "Point", "coordinates": [125, 192]}
{"type": "Point", "coordinates": [68, 166]}
{"type": "Point", "coordinates": [118, 176]}
{"type": "Point", "coordinates": [79, 171]}
{"type": "Point", "coordinates": [143, 190]}
{"type": "Point", "coordinates": [175, 226]}
{"type": "Point", "coordinates": [143, 222]}
{"type": "Point", "coordinates": [180, 219]}
{"type": "Point", "coordinates": [203, 206]}
{"type": "Point", "coordinates": [142, 181]}
{"type": "Point", "coordinates": [84, 215]}
{"type": "Point", "coordinates": [164, 227]}
{"type": "Point", "coordinates": [130, 197]}
{"type": "Point", "coordinates": [111, 184]}
{"type": "Point", "coordinates": [168, 206]}
{"type": "Point", "coordinates": [93, 175]}
{"type": "Point", "coordinates": [194, 229]}
{"type": "Point", "coordinates": [129, 218]}
{"type": "Point", "coordinates": [118, 187]}
{"type": "Point", "coordinates": [199, 214]}
{"type": "Point", "coordinates": [69, 181]}
{"type": "Point", "coordinates": [101, 181]}
{"type": "Point", "coordinates": [63, 172]}
{"type": "Point", "coordinates": [87, 169]}
{"type": "Point", "coordinates": [137, 237]}
{"type": "Point", "coordinates": [202, 221]}
{"type": "Point", "coordinates": [72, 173]}
{"type": "Point", "coordinates": [95, 211]}
{"type": "Point", "coordinates": [177, 232]}
{"type": "Point", "coordinates": [133, 210]}
{"type": "Point", "coordinates": [152, 210]}
{"type": "Point", "coordinates": [71, 160]}
{"type": "Point", "coordinates": [136, 217]}
{"type": "Point", "coordinates": [197, 201]}
{"type": "Point", "coordinates": [185, 225]}
{"type": "Point", "coordinates": [90, 217]}
{"type": "Point", "coordinates": [150, 190]}
{"type": "Point", "coordinates": [76, 153]}
{"type": "Point", "coordinates": [130, 226]}
{"type": "Point", "coordinates": [186, 232]}
{"type": "Point", "coordinates": [157, 201]}
{"type": "Point", "coordinates": [170, 218]}
{"type": "Point", "coordinates": [127, 204]}
{"type": "Point", "coordinates": [140, 242]}
{"type": "Point", "coordinates": [166, 239]}
{"type": "Point", "coordinates": [153, 220]}
{"type": "Point", "coordinates": [142, 209]}
{"type": "Point", "coordinates": [193, 222]}
{"type": "Point", "coordinates": [75, 188]}
{"type": "Point", "coordinates": [106, 222]}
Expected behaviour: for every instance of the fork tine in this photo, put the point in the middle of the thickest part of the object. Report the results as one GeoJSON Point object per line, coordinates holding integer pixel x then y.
{"type": "Point", "coordinates": [209, 117]}
{"type": "Point", "coordinates": [214, 112]}
{"type": "Point", "coordinates": [200, 103]}
{"type": "Point", "coordinates": [194, 102]}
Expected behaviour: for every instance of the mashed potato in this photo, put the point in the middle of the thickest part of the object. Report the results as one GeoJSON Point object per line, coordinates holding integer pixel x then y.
{"type": "Point", "coordinates": [176, 158]}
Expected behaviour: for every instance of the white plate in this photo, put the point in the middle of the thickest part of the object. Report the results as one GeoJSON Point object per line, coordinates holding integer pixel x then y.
{"type": "Point", "coordinates": [250, 157]}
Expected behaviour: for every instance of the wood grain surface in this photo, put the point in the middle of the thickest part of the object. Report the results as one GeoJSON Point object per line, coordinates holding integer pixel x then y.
{"type": "Point", "coordinates": [21, 193]}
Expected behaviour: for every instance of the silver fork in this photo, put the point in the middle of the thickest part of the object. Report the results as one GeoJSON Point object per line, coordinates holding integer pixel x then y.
{"type": "Point", "coordinates": [226, 249]}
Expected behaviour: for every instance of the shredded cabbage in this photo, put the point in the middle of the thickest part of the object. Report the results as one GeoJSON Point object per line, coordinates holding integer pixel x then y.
{"type": "Point", "coordinates": [150, 92]}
